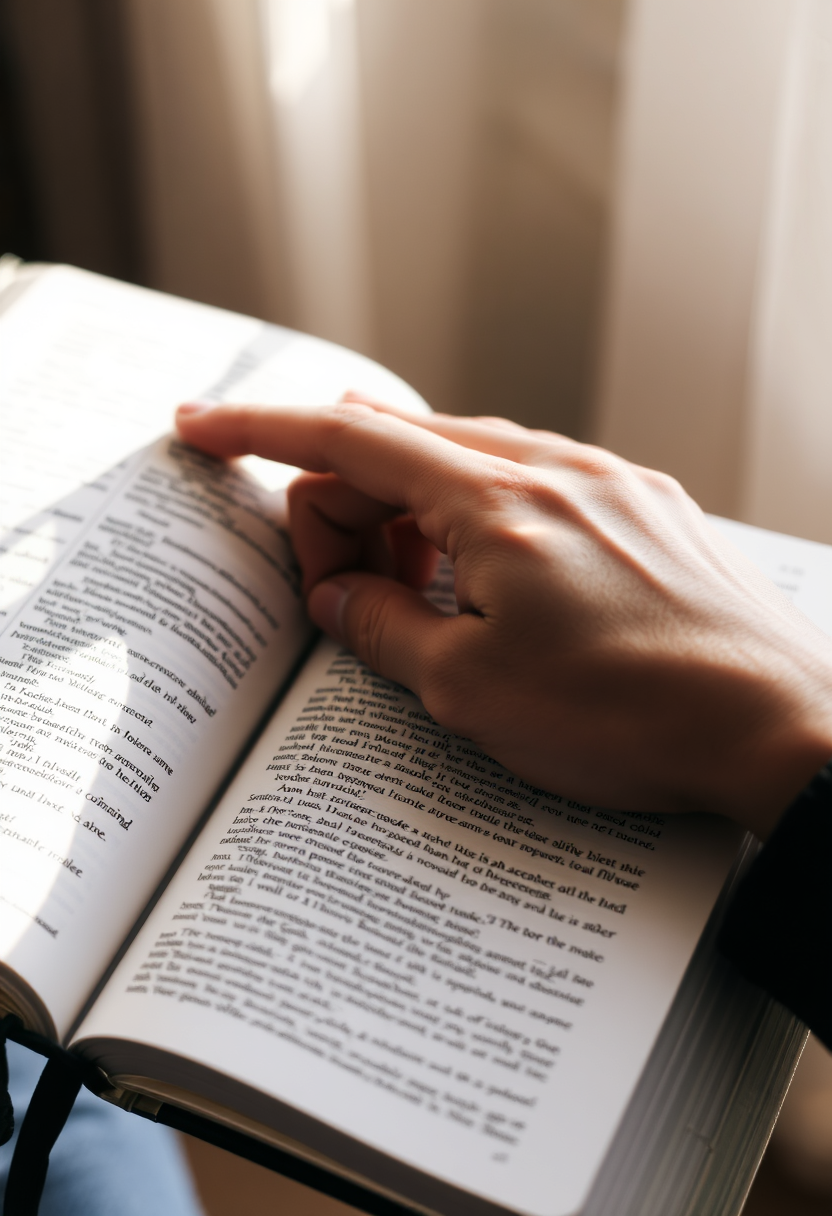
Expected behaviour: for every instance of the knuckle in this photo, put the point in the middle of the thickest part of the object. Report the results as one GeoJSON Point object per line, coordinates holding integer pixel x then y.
{"type": "Point", "coordinates": [343, 417]}
{"type": "Point", "coordinates": [302, 486]}
{"type": "Point", "coordinates": [502, 424]}
{"type": "Point", "coordinates": [305, 491]}
{"type": "Point", "coordinates": [559, 454]}
{"type": "Point", "coordinates": [443, 697]}
{"type": "Point", "coordinates": [247, 419]}
{"type": "Point", "coordinates": [451, 683]}
{"type": "Point", "coordinates": [371, 630]}
{"type": "Point", "coordinates": [598, 463]}
{"type": "Point", "coordinates": [506, 483]}
{"type": "Point", "coordinates": [666, 485]}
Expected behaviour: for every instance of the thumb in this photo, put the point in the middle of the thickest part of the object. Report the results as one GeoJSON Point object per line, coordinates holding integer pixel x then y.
{"type": "Point", "coordinates": [392, 628]}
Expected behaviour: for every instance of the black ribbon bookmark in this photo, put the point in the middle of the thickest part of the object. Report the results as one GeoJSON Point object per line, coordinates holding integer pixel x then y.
{"type": "Point", "coordinates": [48, 1111]}
{"type": "Point", "coordinates": [49, 1108]}
{"type": "Point", "coordinates": [6, 1108]}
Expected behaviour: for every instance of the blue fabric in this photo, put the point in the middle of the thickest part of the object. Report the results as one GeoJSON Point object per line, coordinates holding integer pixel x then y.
{"type": "Point", "coordinates": [106, 1162]}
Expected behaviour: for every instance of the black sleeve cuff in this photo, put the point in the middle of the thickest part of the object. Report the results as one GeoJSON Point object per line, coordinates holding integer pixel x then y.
{"type": "Point", "coordinates": [778, 929]}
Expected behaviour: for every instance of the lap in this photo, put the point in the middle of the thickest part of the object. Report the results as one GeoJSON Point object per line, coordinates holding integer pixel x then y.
{"type": "Point", "coordinates": [106, 1162]}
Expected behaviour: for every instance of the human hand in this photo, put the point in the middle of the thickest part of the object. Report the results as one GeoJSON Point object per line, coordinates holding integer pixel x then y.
{"type": "Point", "coordinates": [610, 644]}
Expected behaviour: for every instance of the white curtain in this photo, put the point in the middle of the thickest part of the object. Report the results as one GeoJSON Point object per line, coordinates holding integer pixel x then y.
{"type": "Point", "coordinates": [787, 478]}
{"type": "Point", "coordinates": [717, 360]}
{"type": "Point", "coordinates": [427, 182]}
{"type": "Point", "coordinates": [431, 184]}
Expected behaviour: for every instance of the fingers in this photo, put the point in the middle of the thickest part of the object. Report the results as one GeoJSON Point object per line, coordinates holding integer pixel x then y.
{"type": "Point", "coordinates": [385, 457]}
{"type": "Point", "coordinates": [495, 436]}
{"type": "Point", "coordinates": [335, 527]}
{"type": "Point", "coordinates": [268, 431]}
{"type": "Point", "coordinates": [415, 559]}
{"type": "Point", "coordinates": [370, 448]}
{"type": "Point", "coordinates": [390, 627]}
{"type": "Point", "coordinates": [492, 436]}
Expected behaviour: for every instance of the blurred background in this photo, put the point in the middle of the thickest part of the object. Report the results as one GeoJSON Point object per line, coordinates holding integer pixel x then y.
{"type": "Point", "coordinates": [611, 218]}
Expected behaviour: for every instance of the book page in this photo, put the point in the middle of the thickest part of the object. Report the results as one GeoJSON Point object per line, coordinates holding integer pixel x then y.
{"type": "Point", "coordinates": [802, 569]}
{"type": "Point", "coordinates": [384, 928]}
{"type": "Point", "coordinates": [92, 369]}
{"type": "Point", "coordinates": [148, 606]}
{"type": "Point", "coordinates": [131, 676]}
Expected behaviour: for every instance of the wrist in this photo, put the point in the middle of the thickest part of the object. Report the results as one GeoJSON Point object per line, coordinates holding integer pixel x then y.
{"type": "Point", "coordinates": [782, 761]}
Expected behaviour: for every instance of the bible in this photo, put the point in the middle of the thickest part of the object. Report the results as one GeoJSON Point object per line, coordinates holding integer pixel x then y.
{"type": "Point", "coordinates": [245, 878]}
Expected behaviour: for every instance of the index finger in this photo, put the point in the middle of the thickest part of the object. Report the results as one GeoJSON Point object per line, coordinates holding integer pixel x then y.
{"type": "Point", "coordinates": [383, 455]}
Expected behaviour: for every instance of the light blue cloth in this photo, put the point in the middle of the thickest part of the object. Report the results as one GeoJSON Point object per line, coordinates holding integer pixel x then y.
{"type": "Point", "coordinates": [106, 1162]}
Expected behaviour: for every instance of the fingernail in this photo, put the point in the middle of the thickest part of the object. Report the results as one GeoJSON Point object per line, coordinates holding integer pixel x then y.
{"type": "Point", "coordinates": [326, 607]}
{"type": "Point", "coordinates": [189, 408]}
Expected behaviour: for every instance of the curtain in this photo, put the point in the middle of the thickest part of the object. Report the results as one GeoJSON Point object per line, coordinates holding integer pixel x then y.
{"type": "Point", "coordinates": [787, 480]}
{"type": "Point", "coordinates": [719, 306]}
{"type": "Point", "coordinates": [464, 190]}
{"type": "Point", "coordinates": [428, 183]}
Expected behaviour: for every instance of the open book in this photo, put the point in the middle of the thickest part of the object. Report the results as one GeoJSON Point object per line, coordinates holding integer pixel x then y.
{"type": "Point", "coordinates": [245, 875]}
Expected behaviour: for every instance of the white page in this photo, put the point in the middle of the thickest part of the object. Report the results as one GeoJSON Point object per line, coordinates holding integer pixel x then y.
{"type": "Point", "coordinates": [235, 942]}
{"type": "Point", "coordinates": [132, 675]}
{"type": "Point", "coordinates": [118, 723]}
{"type": "Point", "coordinates": [91, 370]}
{"type": "Point", "coordinates": [497, 1003]}
{"type": "Point", "coordinates": [802, 569]}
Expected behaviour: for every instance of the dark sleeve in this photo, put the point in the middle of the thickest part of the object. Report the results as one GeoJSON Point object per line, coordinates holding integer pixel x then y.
{"type": "Point", "coordinates": [778, 928]}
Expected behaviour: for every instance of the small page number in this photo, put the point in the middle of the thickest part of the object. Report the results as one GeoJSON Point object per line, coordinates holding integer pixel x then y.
{"type": "Point", "coordinates": [499, 1157]}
